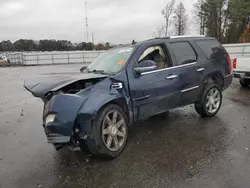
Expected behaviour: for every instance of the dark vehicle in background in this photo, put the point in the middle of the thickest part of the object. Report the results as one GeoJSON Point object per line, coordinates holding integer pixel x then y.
{"type": "Point", "coordinates": [93, 109]}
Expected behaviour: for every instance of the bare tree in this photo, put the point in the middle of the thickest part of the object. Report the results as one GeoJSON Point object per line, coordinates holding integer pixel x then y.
{"type": "Point", "coordinates": [180, 19]}
{"type": "Point", "coordinates": [199, 16]}
{"type": "Point", "coordinates": [159, 32]}
{"type": "Point", "coordinates": [167, 12]}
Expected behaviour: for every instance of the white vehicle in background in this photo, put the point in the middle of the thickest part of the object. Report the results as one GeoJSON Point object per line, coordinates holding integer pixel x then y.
{"type": "Point", "coordinates": [241, 70]}
{"type": "Point", "coordinates": [3, 60]}
{"type": "Point", "coordinates": [240, 57]}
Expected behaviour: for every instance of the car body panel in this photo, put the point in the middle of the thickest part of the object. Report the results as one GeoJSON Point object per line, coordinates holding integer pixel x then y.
{"type": "Point", "coordinates": [66, 108]}
{"type": "Point", "coordinates": [190, 79]}
{"type": "Point", "coordinates": [42, 84]}
{"type": "Point", "coordinates": [74, 111]}
{"type": "Point", "coordinates": [103, 93]}
{"type": "Point", "coordinates": [152, 93]}
{"type": "Point", "coordinates": [243, 65]}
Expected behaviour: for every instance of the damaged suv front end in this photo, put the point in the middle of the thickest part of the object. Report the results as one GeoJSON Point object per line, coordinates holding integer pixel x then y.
{"type": "Point", "coordinates": [72, 100]}
{"type": "Point", "coordinates": [62, 99]}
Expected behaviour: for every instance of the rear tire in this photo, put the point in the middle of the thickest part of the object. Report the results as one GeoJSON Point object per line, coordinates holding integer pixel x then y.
{"type": "Point", "coordinates": [109, 133]}
{"type": "Point", "coordinates": [210, 101]}
{"type": "Point", "coordinates": [244, 83]}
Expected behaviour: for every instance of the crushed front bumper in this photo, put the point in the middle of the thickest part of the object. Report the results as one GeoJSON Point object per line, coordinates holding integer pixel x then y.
{"type": "Point", "coordinates": [57, 139]}
{"type": "Point", "coordinates": [65, 108]}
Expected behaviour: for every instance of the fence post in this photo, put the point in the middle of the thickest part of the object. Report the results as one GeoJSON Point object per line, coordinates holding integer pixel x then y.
{"type": "Point", "coordinates": [243, 49]}
{"type": "Point", "coordinates": [83, 57]}
{"type": "Point", "coordinates": [22, 57]}
{"type": "Point", "coordinates": [16, 57]}
{"type": "Point", "coordinates": [37, 57]}
{"type": "Point", "coordinates": [68, 58]}
{"type": "Point", "coordinates": [52, 58]}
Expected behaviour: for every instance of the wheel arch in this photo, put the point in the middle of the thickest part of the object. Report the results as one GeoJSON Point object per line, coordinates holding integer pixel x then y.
{"type": "Point", "coordinates": [214, 78]}
{"type": "Point", "coordinates": [121, 102]}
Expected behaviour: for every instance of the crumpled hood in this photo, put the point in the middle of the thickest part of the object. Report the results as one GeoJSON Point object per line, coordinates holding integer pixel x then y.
{"type": "Point", "coordinates": [42, 84]}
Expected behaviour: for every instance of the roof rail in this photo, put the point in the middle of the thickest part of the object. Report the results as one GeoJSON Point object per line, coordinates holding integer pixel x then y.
{"type": "Point", "coordinates": [187, 36]}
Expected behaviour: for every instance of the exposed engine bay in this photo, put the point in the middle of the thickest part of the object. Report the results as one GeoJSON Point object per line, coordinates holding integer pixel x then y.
{"type": "Point", "coordinates": [72, 88]}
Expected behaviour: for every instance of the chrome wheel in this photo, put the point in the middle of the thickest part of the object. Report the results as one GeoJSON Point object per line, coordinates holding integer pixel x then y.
{"type": "Point", "coordinates": [213, 100]}
{"type": "Point", "coordinates": [114, 131]}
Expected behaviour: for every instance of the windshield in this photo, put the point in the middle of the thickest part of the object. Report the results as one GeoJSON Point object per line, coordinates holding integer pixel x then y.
{"type": "Point", "coordinates": [111, 61]}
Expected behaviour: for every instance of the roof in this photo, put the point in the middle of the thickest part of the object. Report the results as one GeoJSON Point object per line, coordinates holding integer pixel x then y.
{"type": "Point", "coordinates": [170, 39]}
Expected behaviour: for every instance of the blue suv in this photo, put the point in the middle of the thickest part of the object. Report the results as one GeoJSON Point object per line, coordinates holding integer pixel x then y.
{"type": "Point", "coordinates": [92, 109]}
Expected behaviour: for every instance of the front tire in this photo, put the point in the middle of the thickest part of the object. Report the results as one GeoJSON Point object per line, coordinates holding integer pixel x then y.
{"type": "Point", "coordinates": [109, 132]}
{"type": "Point", "coordinates": [210, 101]}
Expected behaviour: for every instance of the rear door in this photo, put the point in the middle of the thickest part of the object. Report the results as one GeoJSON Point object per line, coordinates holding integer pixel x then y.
{"type": "Point", "coordinates": [190, 70]}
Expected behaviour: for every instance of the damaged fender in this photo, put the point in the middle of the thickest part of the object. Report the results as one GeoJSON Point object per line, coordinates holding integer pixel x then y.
{"type": "Point", "coordinates": [65, 108]}
{"type": "Point", "coordinates": [110, 90]}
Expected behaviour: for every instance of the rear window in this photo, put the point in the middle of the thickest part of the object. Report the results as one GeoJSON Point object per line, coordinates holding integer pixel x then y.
{"type": "Point", "coordinates": [210, 47]}
{"type": "Point", "coordinates": [183, 53]}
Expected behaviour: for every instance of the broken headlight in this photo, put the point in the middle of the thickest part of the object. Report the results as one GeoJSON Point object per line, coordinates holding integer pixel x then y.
{"type": "Point", "coordinates": [50, 119]}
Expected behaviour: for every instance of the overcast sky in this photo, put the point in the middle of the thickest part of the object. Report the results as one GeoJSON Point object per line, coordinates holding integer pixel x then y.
{"type": "Point", "coordinates": [116, 21]}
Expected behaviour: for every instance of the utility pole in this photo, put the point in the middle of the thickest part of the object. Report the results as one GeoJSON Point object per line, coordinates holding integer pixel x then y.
{"type": "Point", "coordinates": [93, 41]}
{"type": "Point", "coordinates": [86, 17]}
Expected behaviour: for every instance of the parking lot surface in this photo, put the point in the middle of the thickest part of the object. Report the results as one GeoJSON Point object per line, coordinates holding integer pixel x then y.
{"type": "Point", "coordinates": [176, 150]}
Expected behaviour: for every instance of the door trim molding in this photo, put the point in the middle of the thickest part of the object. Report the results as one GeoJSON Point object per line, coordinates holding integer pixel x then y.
{"type": "Point", "coordinates": [169, 68]}
{"type": "Point", "coordinates": [189, 89]}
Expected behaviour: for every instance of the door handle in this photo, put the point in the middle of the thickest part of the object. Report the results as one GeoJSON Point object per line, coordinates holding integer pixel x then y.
{"type": "Point", "coordinates": [201, 70]}
{"type": "Point", "coordinates": [172, 77]}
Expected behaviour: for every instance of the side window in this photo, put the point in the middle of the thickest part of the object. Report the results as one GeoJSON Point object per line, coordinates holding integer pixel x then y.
{"type": "Point", "coordinates": [154, 53]}
{"type": "Point", "coordinates": [183, 53]}
{"type": "Point", "coordinates": [211, 48]}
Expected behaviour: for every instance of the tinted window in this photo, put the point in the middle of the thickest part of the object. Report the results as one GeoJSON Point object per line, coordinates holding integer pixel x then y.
{"type": "Point", "coordinates": [184, 53]}
{"type": "Point", "coordinates": [211, 48]}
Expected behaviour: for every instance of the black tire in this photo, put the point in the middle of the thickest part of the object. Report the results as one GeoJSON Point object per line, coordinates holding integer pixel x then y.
{"type": "Point", "coordinates": [95, 142]}
{"type": "Point", "coordinates": [244, 83]}
{"type": "Point", "coordinates": [200, 106]}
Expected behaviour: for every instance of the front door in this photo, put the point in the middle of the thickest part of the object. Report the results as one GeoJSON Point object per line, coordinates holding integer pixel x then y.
{"type": "Point", "coordinates": [156, 91]}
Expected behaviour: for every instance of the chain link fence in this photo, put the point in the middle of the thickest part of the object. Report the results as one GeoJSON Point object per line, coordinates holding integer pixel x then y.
{"type": "Point", "coordinates": [50, 58]}
{"type": "Point", "coordinates": [86, 57]}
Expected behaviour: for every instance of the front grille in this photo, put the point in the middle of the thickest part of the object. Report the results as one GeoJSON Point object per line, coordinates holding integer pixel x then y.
{"type": "Point", "coordinates": [248, 74]}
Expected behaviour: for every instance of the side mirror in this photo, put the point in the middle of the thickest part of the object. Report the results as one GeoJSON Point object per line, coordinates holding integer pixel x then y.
{"type": "Point", "coordinates": [82, 69]}
{"type": "Point", "coordinates": [145, 66]}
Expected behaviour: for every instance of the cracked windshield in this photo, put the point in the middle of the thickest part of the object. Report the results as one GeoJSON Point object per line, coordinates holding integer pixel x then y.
{"type": "Point", "coordinates": [118, 94]}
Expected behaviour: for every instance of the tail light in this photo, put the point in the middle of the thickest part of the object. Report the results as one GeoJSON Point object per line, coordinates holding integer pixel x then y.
{"type": "Point", "coordinates": [235, 63]}
{"type": "Point", "coordinates": [229, 64]}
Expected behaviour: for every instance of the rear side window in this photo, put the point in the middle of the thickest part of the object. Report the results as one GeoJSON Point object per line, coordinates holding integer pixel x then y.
{"type": "Point", "coordinates": [211, 48]}
{"type": "Point", "coordinates": [183, 53]}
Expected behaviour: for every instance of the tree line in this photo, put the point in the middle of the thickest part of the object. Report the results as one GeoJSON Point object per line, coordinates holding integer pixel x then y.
{"type": "Point", "coordinates": [50, 45]}
{"type": "Point", "coordinates": [226, 20]}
